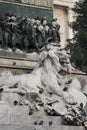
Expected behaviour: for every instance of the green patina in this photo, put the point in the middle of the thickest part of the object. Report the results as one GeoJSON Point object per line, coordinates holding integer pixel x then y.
{"type": "Point", "coordinates": [25, 10]}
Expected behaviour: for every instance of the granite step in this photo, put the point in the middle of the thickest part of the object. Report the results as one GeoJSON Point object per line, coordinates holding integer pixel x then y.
{"type": "Point", "coordinates": [21, 122]}
{"type": "Point", "coordinates": [26, 120]}
{"type": "Point", "coordinates": [17, 118]}
{"type": "Point", "coordinates": [19, 127]}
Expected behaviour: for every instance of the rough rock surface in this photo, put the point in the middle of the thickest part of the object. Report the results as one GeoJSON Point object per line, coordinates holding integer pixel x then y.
{"type": "Point", "coordinates": [47, 88]}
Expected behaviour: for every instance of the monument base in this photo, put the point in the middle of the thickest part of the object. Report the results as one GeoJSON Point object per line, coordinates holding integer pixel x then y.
{"type": "Point", "coordinates": [17, 62]}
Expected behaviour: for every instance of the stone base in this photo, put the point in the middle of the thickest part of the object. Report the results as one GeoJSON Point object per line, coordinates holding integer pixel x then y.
{"type": "Point", "coordinates": [18, 127]}
{"type": "Point", "coordinates": [18, 54]}
{"type": "Point", "coordinates": [17, 118]}
{"type": "Point", "coordinates": [17, 62]}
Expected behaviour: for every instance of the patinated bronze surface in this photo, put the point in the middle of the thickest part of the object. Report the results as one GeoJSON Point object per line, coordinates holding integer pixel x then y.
{"type": "Point", "coordinates": [27, 34]}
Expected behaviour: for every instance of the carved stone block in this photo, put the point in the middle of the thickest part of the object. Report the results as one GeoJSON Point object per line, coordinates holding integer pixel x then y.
{"type": "Point", "coordinates": [19, 110]}
{"type": "Point", "coordinates": [18, 119]}
{"type": "Point", "coordinates": [3, 108]}
{"type": "Point", "coordinates": [43, 2]}
{"type": "Point", "coordinates": [30, 1]}
{"type": "Point", "coordinates": [37, 2]}
{"type": "Point", "coordinates": [49, 3]}
{"type": "Point", "coordinates": [24, 1]}
{"type": "Point", "coordinates": [4, 119]}
{"type": "Point", "coordinates": [10, 98]}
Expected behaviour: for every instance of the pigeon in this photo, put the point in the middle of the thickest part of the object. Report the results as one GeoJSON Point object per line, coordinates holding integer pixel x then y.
{"type": "Point", "coordinates": [65, 89]}
{"type": "Point", "coordinates": [14, 63]}
{"type": "Point", "coordinates": [50, 123]}
{"type": "Point", "coordinates": [41, 123]}
{"type": "Point", "coordinates": [1, 89]}
{"type": "Point", "coordinates": [15, 102]}
{"type": "Point", "coordinates": [81, 105]}
{"type": "Point", "coordinates": [35, 123]}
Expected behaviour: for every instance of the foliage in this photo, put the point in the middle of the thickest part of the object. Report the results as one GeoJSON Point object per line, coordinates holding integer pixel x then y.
{"type": "Point", "coordinates": [79, 48]}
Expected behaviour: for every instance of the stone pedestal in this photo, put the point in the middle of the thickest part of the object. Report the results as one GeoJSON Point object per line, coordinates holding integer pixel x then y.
{"type": "Point", "coordinates": [16, 62]}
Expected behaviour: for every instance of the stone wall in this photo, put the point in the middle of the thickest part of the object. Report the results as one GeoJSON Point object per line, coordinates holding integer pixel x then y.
{"type": "Point", "coordinates": [25, 10]}
{"type": "Point", "coordinates": [43, 3]}
{"type": "Point", "coordinates": [63, 12]}
{"type": "Point", "coordinates": [18, 63]}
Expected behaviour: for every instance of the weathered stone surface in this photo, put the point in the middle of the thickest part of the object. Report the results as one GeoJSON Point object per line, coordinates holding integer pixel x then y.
{"type": "Point", "coordinates": [50, 3]}
{"type": "Point", "coordinates": [19, 110]}
{"type": "Point", "coordinates": [46, 119]}
{"type": "Point", "coordinates": [19, 120]}
{"type": "Point", "coordinates": [10, 97]}
{"type": "Point", "coordinates": [31, 2]}
{"type": "Point", "coordinates": [3, 107]}
{"type": "Point", "coordinates": [32, 56]}
{"type": "Point", "coordinates": [18, 127]}
{"type": "Point", "coordinates": [18, 54]}
{"type": "Point", "coordinates": [65, 128]}
{"type": "Point", "coordinates": [4, 118]}
{"type": "Point", "coordinates": [45, 87]}
{"type": "Point", "coordinates": [59, 108]}
{"type": "Point", "coordinates": [17, 63]}
{"type": "Point", "coordinates": [36, 2]}
{"type": "Point", "coordinates": [44, 3]}
{"type": "Point", "coordinates": [26, 11]}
